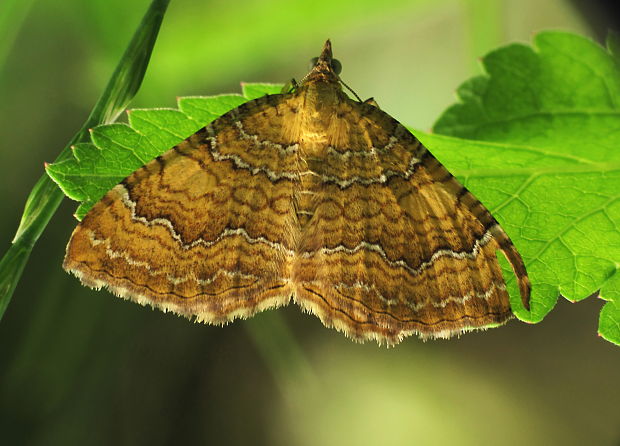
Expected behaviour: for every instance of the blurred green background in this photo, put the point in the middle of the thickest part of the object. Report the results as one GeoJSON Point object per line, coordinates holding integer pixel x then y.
{"type": "Point", "coordinates": [83, 367]}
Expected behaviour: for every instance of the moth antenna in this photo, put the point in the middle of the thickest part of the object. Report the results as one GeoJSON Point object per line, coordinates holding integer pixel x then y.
{"type": "Point", "coordinates": [351, 90]}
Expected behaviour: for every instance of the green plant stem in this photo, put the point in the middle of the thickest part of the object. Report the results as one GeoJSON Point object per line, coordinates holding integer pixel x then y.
{"type": "Point", "coordinates": [45, 197]}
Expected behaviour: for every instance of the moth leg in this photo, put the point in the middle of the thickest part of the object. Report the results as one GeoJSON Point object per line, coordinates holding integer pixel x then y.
{"type": "Point", "coordinates": [290, 86]}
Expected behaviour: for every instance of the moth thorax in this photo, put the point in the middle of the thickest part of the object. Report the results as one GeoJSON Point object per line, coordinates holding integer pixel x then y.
{"type": "Point", "coordinates": [322, 95]}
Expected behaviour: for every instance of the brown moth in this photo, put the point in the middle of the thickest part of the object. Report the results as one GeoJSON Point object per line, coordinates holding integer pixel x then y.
{"type": "Point", "coordinates": [310, 196]}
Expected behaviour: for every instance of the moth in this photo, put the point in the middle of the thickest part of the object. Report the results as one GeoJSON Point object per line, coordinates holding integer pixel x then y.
{"type": "Point", "coordinates": [307, 196]}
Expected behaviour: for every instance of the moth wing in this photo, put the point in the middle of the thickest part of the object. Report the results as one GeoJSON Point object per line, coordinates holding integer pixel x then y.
{"type": "Point", "coordinates": [395, 245]}
{"type": "Point", "coordinates": [203, 230]}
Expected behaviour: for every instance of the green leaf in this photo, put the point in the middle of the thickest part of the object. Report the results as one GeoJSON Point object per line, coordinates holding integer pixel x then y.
{"type": "Point", "coordinates": [609, 322]}
{"type": "Point", "coordinates": [255, 91]}
{"type": "Point", "coordinates": [537, 139]}
{"type": "Point", "coordinates": [206, 111]}
{"type": "Point", "coordinates": [45, 196]}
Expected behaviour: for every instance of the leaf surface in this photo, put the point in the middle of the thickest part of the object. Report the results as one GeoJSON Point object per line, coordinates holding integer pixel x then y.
{"type": "Point", "coordinates": [537, 139]}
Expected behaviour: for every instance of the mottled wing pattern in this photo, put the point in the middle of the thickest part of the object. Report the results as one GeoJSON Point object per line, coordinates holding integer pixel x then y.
{"type": "Point", "coordinates": [341, 209]}
{"type": "Point", "coordinates": [206, 230]}
{"type": "Point", "coordinates": [395, 245]}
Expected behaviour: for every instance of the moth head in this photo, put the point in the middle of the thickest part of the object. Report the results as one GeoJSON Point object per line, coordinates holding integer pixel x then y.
{"type": "Point", "coordinates": [324, 68]}
{"type": "Point", "coordinates": [335, 64]}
